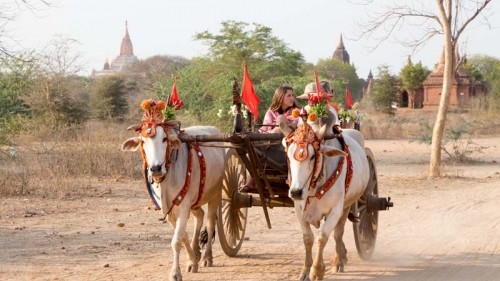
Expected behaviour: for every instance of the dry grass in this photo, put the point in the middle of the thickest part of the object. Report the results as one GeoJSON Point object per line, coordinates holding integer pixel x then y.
{"type": "Point", "coordinates": [69, 162]}
{"type": "Point", "coordinates": [72, 161]}
{"type": "Point", "coordinates": [407, 123]}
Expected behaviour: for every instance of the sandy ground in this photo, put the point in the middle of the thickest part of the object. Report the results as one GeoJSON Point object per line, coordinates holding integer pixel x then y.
{"type": "Point", "coordinates": [445, 229]}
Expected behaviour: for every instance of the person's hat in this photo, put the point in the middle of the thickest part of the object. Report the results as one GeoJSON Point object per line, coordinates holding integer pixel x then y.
{"type": "Point", "coordinates": [311, 89]}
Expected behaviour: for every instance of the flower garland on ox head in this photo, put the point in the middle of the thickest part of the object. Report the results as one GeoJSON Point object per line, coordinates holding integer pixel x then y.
{"type": "Point", "coordinates": [157, 112]}
{"type": "Point", "coordinates": [317, 107]}
{"type": "Point", "coordinates": [151, 118]}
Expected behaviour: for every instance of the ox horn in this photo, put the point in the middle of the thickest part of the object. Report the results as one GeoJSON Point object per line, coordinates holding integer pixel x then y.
{"type": "Point", "coordinates": [286, 129]}
{"type": "Point", "coordinates": [328, 124]}
{"type": "Point", "coordinates": [136, 127]}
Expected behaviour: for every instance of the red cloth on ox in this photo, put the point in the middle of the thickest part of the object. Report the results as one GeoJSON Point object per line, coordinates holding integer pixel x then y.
{"type": "Point", "coordinates": [248, 94]}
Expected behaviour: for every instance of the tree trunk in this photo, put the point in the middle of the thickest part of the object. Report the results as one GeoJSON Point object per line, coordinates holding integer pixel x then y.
{"type": "Point", "coordinates": [439, 126]}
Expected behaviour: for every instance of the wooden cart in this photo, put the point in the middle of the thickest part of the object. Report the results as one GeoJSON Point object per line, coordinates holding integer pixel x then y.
{"type": "Point", "coordinates": [251, 154]}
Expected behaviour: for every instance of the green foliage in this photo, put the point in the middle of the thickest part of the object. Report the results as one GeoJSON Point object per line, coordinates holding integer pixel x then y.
{"type": "Point", "coordinates": [238, 43]}
{"type": "Point", "coordinates": [487, 68]}
{"type": "Point", "coordinates": [15, 83]}
{"type": "Point", "coordinates": [108, 98]}
{"type": "Point", "coordinates": [339, 73]}
{"type": "Point", "coordinates": [384, 90]}
{"type": "Point", "coordinates": [412, 76]}
{"type": "Point", "coordinates": [484, 67]}
{"type": "Point", "coordinates": [205, 84]}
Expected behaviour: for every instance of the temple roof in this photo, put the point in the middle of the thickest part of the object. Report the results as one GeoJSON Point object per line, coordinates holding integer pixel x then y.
{"type": "Point", "coordinates": [340, 52]}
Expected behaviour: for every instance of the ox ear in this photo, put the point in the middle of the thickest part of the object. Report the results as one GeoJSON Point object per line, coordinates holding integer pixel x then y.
{"type": "Point", "coordinates": [331, 151]}
{"type": "Point", "coordinates": [174, 141]}
{"type": "Point", "coordinates": [131, 144]}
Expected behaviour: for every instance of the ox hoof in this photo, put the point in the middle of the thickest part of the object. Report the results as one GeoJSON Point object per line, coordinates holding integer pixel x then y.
{"type": "Point", "coordinates": [340, 268]}
{"type": "Point", "coordinates": [304, 277]}
{"type": "Point", "coordinates": [317, 273]}
{"type": "Point", "coordinates": [193, 268]}
{"type": "Point", "coordinates": [208, 263]}
{"type": "Point", "coordinates": [176, 276]}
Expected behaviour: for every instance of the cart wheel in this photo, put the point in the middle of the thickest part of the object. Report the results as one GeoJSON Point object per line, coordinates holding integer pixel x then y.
{"type": "Point", "coordinates": [365, 231]}
{"type": "Point", "coordinates": [232, 219]}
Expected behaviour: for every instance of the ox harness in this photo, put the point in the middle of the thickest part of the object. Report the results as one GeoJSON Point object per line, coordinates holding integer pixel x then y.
{"type": "Point", "coordinates": [305, 135]}
{"type": "Point", "coordinates": [148, 129]}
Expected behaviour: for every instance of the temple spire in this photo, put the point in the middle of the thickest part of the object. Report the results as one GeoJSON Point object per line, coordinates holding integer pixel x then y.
{"type": "Point", "coordinates": [126, 47]}
{"type": "Point", "coordinates": [341, 43]}
{"type": "Point", "coordinates": [340, 52]}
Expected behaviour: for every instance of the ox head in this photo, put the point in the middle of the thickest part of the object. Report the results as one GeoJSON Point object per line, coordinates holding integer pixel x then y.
{"type": "Point", "coordinates": [156, 140]}
{"type": "Point", "coordinates": [306, 151]}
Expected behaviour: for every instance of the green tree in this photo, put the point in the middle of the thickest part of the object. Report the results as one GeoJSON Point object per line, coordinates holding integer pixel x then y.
{"type": "Point", "coordinates": [238, 43]}
{"type": "Point", "coordinates": [205, 84]}
{"type": "Point", "coordinates": [109, 98]}
{"type": "Point", "coordinates": [15, 83]}
{"type": "Point", "coordinates": [484, 67]}
{"type": "Point", "coordinates": [412, 77]}
{"type": "Point", "coordinates": [340, 75]}
{"type": "Point", "coordinates": [487, 68]}
{"type": "Point", "coordinates": [384, 90]}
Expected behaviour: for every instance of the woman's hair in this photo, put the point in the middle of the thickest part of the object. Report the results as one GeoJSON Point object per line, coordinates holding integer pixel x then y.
{"type": "Point", "coordinates": [278, 97]}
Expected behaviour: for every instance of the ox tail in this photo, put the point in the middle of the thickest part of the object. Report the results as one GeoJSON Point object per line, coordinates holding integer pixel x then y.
{"type": "Point", "coordinates": [204, 237]}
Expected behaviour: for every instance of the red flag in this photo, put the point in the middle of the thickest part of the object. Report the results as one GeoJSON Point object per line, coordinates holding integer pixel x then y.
{"type": "Point", "coordinates": [248, 94]}
{"type": "Point", "coordinates": [174, 96]}
{"type": "Point", "coordinates": [348, 98]}
{"type": "Point", "coordinates": [322, 95]}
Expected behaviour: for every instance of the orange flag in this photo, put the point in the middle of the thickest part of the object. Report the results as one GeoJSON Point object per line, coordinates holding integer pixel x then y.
{"type": "Point", "coordinates": [248, 94]}
{"type": "Point", "coordinates": [348, 98]}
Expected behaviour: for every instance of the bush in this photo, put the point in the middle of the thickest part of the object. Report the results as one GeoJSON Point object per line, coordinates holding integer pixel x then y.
{"type": "Point", "coordinates": [457, 142]}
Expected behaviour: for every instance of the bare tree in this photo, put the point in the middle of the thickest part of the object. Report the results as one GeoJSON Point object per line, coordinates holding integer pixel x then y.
{"type": "Point", "coordinates": [448, 18]}
{"type": "Point", "coordinates": [8, 12]}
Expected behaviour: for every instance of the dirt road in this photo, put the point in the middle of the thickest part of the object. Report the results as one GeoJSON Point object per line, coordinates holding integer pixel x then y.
{"type": "Point", "coordinates": [445, 229]}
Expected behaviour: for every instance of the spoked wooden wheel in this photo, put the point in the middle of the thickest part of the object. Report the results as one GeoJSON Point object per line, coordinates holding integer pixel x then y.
{"type": "Point", "coordinates": [365, 231]}
{"type": "Point", "coordinates": [232, 219]}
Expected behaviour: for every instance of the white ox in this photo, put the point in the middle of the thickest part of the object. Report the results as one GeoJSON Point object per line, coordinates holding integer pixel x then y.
{"type": "Point", "coordinates": [178, 190]}
{"type": "Point", "coordinates": [317, 187]}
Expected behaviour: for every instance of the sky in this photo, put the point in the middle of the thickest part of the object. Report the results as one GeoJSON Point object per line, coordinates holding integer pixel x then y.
{"type": "Point", "coordinates": [167, 27]}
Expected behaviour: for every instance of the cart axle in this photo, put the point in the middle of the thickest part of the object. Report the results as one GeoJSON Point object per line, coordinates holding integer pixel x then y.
{"type": "Point", "coordinates": [378, 203]}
